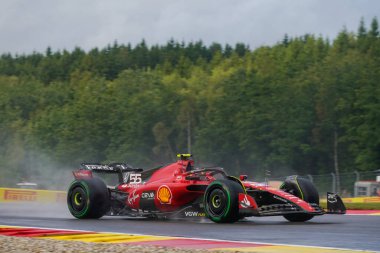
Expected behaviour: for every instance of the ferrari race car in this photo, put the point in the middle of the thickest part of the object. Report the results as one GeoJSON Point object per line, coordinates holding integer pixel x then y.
{"type": "Point", "coordinates": [180, 190]}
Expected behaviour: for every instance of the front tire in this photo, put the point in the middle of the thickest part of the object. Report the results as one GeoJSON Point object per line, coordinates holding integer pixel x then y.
{"type": "Point", "coordinates": [88, 198]}
{"type": "Point", "coordinates": [221, 201]}
{"type": "Point", "coordinates": [303, 189]}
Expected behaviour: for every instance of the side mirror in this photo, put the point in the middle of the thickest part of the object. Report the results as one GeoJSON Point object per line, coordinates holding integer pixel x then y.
{"type": "Point", "coordinates": [243, 177]}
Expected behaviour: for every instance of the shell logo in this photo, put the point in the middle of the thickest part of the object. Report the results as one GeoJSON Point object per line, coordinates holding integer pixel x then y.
{"type": "Point", "coordinates": [164, 194]}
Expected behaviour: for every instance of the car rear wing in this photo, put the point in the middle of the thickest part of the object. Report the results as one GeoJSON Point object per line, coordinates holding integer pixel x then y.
{"type": "Point", "coordinates": [109, 168]}
{"type": "Point", "coordinates": [86, 170]}
{"type": "Point", "coordinates": [335, 204]}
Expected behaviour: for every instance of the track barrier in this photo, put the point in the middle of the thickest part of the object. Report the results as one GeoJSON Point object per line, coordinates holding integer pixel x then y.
{"type": "Point", "coordinates": [29, 195]}
{"type": "Point", "coordinates": [49, 196]}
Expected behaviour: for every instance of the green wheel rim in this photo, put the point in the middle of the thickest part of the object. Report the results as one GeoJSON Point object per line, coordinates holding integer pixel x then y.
{"type": "Point", "coordinates": [216, 201]}
{"type": "Point", "coordinates": [82, 213]}
{"type": "Point", "coordinates": [228, 203]}
{"type": "Point", "coordinates": [77, 199]}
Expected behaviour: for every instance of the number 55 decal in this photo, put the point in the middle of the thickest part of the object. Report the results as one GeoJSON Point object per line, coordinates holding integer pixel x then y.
{"type": "Point", "coordinates": [135, 178]}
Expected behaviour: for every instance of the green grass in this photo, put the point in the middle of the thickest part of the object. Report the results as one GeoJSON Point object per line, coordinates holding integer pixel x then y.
{"type": "Point", "coordinates": [357, 206]}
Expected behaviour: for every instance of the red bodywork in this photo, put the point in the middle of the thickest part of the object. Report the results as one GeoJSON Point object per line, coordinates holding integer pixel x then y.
{"type": "Point", "coordinates": [170, 181]}
{"type": "Point", "coordinates": [177, 186]}
{"type": "Point", "coordinates": [280, 195]}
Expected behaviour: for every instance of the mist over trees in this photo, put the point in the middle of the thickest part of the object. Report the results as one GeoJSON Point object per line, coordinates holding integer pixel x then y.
{"type": "Point", "coordinates": [305, 105]}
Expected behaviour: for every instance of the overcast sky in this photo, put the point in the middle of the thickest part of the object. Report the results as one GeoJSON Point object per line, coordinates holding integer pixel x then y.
{"type": "Point", "coordinates": [33, 25]}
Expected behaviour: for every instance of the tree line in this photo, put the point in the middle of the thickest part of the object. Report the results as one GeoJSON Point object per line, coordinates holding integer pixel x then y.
{"type": "Point", "coordinates": [305, 105]}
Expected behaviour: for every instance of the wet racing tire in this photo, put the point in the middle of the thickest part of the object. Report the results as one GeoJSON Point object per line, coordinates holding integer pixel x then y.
{"type": "Point", "coordinates": [221, 201]}
{"type": "Point", "coordinates": [303, 189]}
{"type": "Point", "coordinates": [88, 198]}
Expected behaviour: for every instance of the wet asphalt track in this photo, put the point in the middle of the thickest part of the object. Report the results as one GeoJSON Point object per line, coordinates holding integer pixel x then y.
{"type": "Point", "coordinates": [340, 231]}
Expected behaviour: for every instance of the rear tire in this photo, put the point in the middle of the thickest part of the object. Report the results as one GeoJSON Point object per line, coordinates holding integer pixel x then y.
{"type": "Point", "coordinates": [88, 198]}
{"type": "Point", "coordinates": [303, 189]}
{"type": "Point", "coordinates": [221, 201]}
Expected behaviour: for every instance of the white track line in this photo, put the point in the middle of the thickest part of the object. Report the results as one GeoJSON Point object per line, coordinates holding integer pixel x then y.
{"type": "Point", "coordinates": [203, 239]}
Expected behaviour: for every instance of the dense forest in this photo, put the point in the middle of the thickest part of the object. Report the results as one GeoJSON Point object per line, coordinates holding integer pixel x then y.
{"type": "Point", "coordinates": [305, 105]}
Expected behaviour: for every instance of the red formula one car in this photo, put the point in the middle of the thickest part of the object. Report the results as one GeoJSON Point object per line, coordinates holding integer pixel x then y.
{"type": "Point", "coordinates": [179, 190]}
